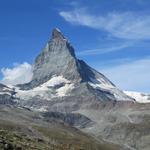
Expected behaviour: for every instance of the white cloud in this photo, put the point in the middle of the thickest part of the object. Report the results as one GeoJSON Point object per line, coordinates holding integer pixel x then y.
{"type": "Point", "coordinates": [103, 50]}
{"type": "Point", "coordinates": [131, 76]}
{"type": "Point", "coordinates": [127, 25]}
{"type": "Point", "coordinates": [19, 74]}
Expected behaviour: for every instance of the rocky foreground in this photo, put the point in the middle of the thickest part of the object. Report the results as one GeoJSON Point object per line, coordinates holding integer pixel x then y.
{"type": "Point", "coordinates": [28, 130]}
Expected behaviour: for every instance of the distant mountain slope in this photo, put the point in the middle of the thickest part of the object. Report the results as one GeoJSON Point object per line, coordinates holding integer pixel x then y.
{"type": "Point", "coordinates": [27, 131]}
{"type": "Point", "coordinates": [139, 97]}
{"type": "Point", "coordinates": [6, 94]}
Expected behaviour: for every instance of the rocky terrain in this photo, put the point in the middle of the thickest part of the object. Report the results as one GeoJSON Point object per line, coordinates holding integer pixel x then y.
{"type": "Point", "coordinates": [22, 129]}
{"type": "Point", "coordinates": [69, 105]}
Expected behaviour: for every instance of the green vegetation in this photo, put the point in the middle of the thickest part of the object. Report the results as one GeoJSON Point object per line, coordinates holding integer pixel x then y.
{"type": "Point", "coordinates": [21, 129]}
{"type": "Point", "coordinates": [18, 137]}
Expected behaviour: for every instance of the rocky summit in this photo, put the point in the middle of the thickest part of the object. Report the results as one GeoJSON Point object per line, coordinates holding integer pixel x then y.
{"type": "Point", "coordinates": [66, 93]}
{"type": "Point", "coordinates": [62, 76]}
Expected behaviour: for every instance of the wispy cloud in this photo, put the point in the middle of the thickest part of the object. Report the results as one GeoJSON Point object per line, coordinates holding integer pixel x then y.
{"type": "Point", "coordinates": [103, 50]}
{"type": "Point", "coordinates": [19, 74]}
{"type": "Point", "coordinates": [131, 76]}
{"type": "Point", "coordinates": [126, 25]}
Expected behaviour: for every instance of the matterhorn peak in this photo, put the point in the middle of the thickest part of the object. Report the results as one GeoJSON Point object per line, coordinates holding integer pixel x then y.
{"type": "Point", "coordinates": [58, 59]}
{"type": "Point", "coordinates": [57, 34]}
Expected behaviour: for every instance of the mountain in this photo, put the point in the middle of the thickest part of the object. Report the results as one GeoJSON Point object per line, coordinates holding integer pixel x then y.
{"type": "Point", "coordinates": [66, 91]}
{"type": "Point", "coordinates": [22, 129]}
{"type": "Point", "coordinates": [58, 74]}
{"type": "Point", "coordinates": [6, 95]}
{"type": "Point", "coordinates": [139, 97]}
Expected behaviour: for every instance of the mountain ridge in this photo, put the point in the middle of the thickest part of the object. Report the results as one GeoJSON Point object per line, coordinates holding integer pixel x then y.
{"type": "Point", "coordinates": [67, 90]}
{"type": "Point", "coordinates": [58, 59]}
{"type": "Point", "coordinates": [138, 96]}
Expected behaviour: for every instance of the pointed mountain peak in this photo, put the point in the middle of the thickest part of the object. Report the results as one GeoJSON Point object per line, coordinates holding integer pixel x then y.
{"type": "Point", "coordinates": [57, 58]}
{"type": "Point", "coordinates": [57, 34]}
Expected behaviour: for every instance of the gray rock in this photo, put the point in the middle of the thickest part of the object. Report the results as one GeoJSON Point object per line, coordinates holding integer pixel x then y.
{"type": "Point", "coordinates": [6, 95]}
{"type": "Point", "coordinates": [113, 115]}
{"type": "Point", "coordinates": [76, 120]}
{"type": "Point", "coordinates": [58, 59]}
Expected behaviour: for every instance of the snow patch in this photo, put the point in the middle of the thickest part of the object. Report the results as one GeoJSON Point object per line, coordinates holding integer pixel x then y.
{"type": "Point", "coordinates": [41, 109]}
{"type": "Point", "coordinates": [139, 97]}
{"type": "Point", "coordinates": [5, 93]}
{"type": "Point", "coordinates": [57, 86]}
{"type": "Point", "coordinates": [99, 83]}
{"type": "Point", "coordinates": [63, 90]}
{"type": "Point", "coordinates": [106, 86]}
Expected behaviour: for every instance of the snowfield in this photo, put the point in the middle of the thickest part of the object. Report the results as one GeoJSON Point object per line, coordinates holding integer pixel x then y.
{"type": "Point", "coordinates": [107, 86]}
{"type": "Point", "coordinates": [139, 97]}
{"type": "Point", "coordinates": [57, 86]}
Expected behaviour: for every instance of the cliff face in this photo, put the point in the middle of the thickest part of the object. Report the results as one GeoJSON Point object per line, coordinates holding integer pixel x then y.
{"type": "Point", "coordinates": [57, 63]}
{"type": "Point", "coordinates": [57, 58]}
{"type": "Point", "coordinates": [6, 95]}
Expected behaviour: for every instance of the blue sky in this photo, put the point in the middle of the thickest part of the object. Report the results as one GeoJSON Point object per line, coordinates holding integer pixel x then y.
{"type": "Point", "coordinates": [112, 36]}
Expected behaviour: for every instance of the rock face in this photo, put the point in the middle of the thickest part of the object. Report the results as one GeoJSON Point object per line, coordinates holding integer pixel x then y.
{"type": "Point", "coordinates": [57, 63]}
{"type": "Point", "coordinates": [57, 58]}
{"type": "Point", "coordinates": [76, 120]}
{"type": "Point", "coordinates": [6, 95]}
